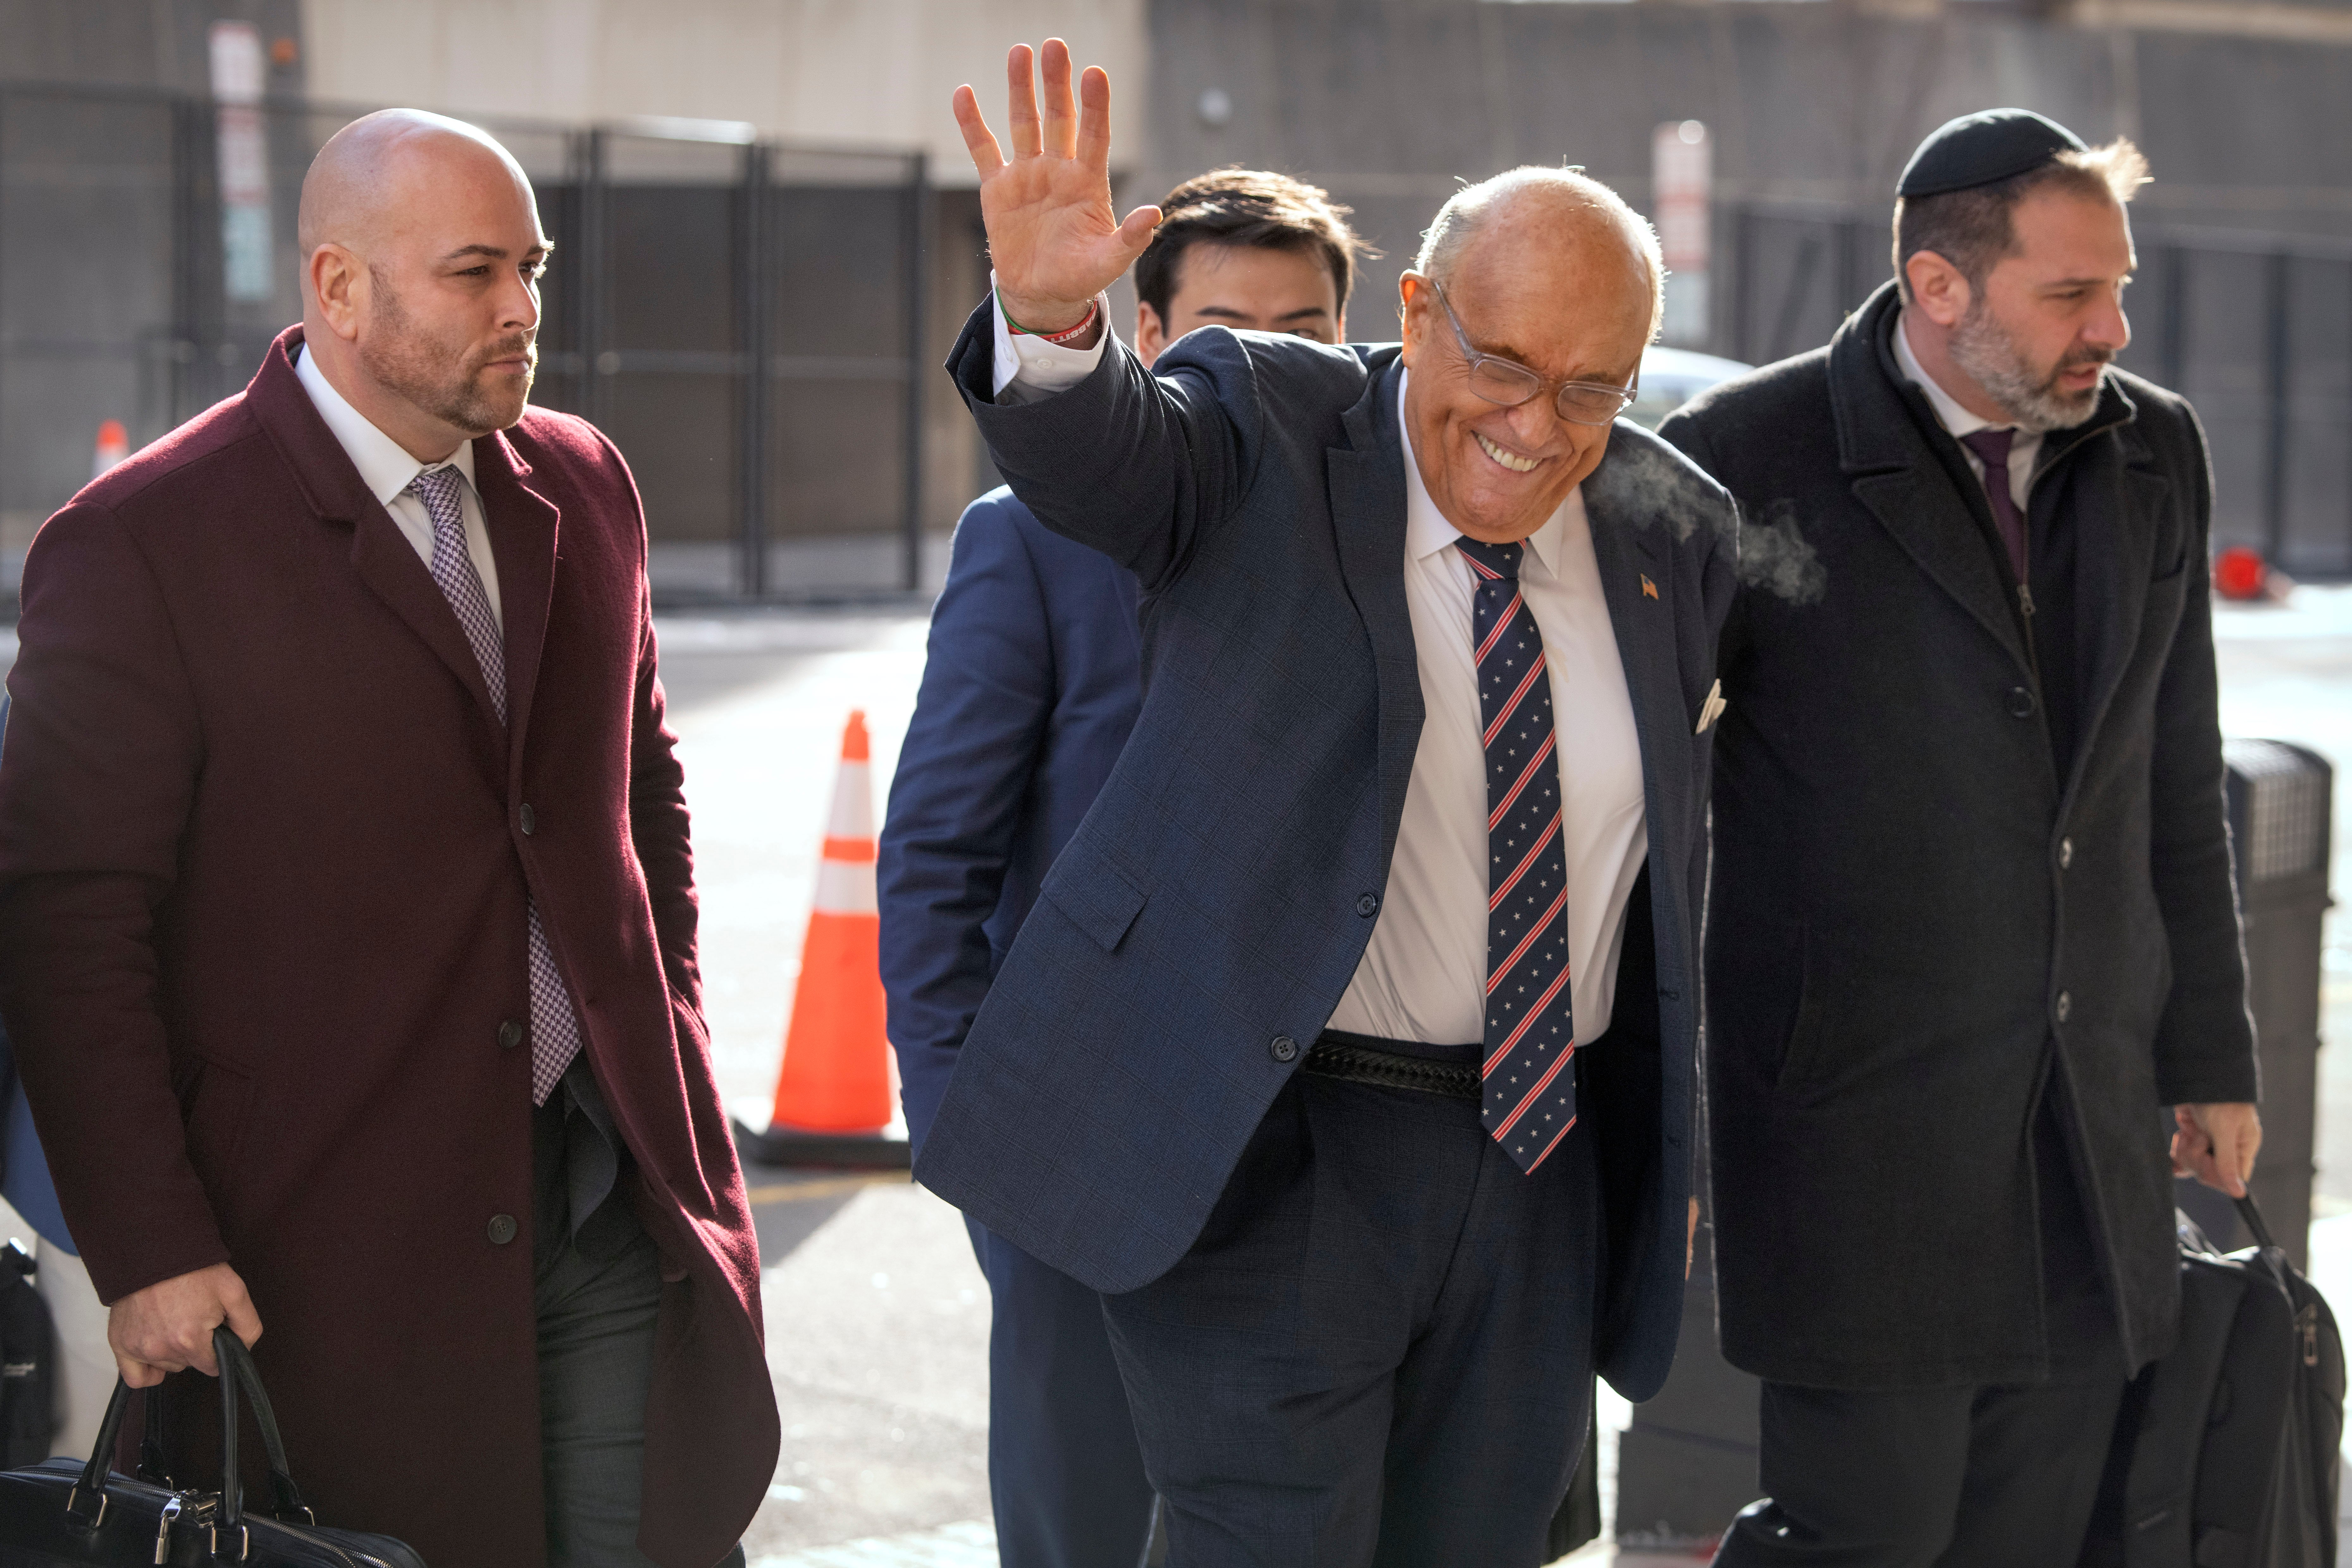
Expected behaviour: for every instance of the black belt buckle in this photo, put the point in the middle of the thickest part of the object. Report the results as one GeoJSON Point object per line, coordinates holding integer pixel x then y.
{"type": "Point", "coordinates": [1392, 1070]}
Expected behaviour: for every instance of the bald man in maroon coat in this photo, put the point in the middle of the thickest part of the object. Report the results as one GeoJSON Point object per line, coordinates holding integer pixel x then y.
{"type": "Point", "coordinates": [347, 919]}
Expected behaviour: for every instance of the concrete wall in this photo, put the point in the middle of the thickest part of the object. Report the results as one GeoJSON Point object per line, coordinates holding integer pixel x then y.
{"type": "Point", "coordinates": [873, 72]}
{"type": "Point", "coordinates": [134, 43]}
{"type": "Point", "coordinates": [1389, 103]}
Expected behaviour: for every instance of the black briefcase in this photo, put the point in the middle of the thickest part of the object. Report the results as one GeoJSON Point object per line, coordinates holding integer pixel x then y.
{"type": "Point", "coordinates": [2225, 1451]}
{"type": "Point", "coordinates": [61, 1513]}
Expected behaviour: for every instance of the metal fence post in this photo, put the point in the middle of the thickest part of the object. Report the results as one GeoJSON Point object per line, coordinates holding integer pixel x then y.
{"type": "Point", "coordinates": [2277, 280]}
{"type": "Point", "coordinates": [1848, 268]}
{"type": "Point", "coordinates": [1743, 285]}
{"type": "Point", "coordinates": [919, 250]}
{"type": "Point", "coordinates": [597, 363]}
{"type": "Point", "coordinates": [752, 336]}
{"type": "Point", "coordinates": [2176, 318]}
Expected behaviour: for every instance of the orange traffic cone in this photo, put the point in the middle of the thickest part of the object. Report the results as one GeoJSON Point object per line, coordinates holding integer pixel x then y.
{"type": "Point", "coordinates": [833, 1093]}
{"type": "Point", "coordinates": [113, 447]}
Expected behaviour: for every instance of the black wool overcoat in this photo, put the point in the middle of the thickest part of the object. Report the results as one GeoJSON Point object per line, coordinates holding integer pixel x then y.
{"type": "Point", "coordinates": [1914, 904]}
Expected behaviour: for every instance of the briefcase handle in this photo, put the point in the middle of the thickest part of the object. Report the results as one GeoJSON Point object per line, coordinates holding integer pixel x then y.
{"type": "Point", "coordinates": [86, 1501]}
{"type": "Point", "coordinates": [2253, 1219]}
{"type": "Point", "coordinates": [286, 1497]}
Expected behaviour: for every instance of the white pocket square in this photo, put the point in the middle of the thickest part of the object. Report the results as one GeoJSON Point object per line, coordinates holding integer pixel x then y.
{"type": "Point", "coordinates": [1712, 710]}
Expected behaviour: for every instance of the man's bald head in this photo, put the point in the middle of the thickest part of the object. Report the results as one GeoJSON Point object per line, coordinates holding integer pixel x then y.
{"type": "Point", "coordinates": [421, 251]}
{"type": "Point", "coordinates": [373, 167]}
{"type": "Point", "coordinates": [1560, 210]}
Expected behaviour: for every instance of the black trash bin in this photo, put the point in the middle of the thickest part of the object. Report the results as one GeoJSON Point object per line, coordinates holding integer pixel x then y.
{"type": "Point", "coordinates": [2280, 830]}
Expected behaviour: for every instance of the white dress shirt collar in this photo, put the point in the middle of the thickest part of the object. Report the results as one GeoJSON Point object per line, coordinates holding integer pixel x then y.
{"type": "Point", "coordinates": [2024, 448]}
{"type": "Point", "coordinates": [385, 467]}
{"type": "Point", "coordinates": [1426, 532]}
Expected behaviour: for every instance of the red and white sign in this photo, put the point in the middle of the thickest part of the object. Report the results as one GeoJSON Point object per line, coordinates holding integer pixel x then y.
{"type": "Point", "coordinates": [243, 154]}
{"type": "Point", "coordinates": [1681, 174]}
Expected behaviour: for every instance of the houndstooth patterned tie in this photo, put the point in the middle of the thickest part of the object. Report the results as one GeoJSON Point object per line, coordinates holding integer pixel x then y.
{"type": "Point", "coordinates": [1529, 1082]}
{"type": "Point", "coordinates": [554, 1027]}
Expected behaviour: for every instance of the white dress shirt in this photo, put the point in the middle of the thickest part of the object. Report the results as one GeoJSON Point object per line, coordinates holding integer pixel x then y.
{"type": "Point", "coordinates": [1423, 974]}
{"type": "Point", "coordinates": [386, 468]}
{"type": "Point", "coordinates": [2023, 447]}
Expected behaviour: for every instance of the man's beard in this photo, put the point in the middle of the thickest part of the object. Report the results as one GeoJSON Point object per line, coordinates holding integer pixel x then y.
{"type": "Point", "coordinates": [2033, 399]}
{"type": "Point", "coordinates": [399, 355]}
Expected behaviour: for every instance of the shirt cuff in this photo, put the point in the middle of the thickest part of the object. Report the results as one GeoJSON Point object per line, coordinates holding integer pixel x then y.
{"type": "Point", "coordinates": [1029, 368]}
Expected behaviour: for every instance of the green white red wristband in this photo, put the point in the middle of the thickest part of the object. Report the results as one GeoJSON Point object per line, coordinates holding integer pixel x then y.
{"type": "Point", "coordinates": [1061, 338]}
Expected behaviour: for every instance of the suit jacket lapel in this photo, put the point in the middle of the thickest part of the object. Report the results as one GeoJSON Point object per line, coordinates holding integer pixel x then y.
{"type": "Point", "coordinates": [1935, 528]}
{"type": "Point", "coordinates": [1902, 482]}
{"type": "Point", "coordinates": [388, 564]}
{"type": "Point", "coordinates": [1367, 481]}
{"type": "Point", "coordinates": [522, 525]}
{"type": "Point", "coordinates": [381, 554]}
{"type": "Point", "coordinates": [2111, 499]}
{"type": "Point", "coordinates": [1628, 559]}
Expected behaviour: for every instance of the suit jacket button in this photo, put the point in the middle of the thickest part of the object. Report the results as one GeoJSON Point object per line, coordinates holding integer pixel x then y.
{"type": "Point", "coordinates": [1368, 905]}
{"type": "Point", "coordinates": [502, 1229]}
{"type": "Point", "coordinates": [510, 1035]}
{"type": "Point", "coordinates": [529, 819]}
{"type": "Point", "coordinates": [2065, 853]}
{"type": "Point", "coordinates": [2021, 705]}
{"type": "Point", "coordinates": [1284, 1048]}
{"type": "Point", "coordinates": [2065, 1005]}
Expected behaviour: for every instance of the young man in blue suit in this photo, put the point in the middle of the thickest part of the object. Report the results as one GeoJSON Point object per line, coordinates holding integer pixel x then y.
{"type": "Point", "coordinates": [1349, 1046]}
{"type": "Point", "coordinates": [1033, 683]}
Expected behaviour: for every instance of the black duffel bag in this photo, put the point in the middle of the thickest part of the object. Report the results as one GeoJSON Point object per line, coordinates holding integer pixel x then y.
{"type": "Point", "coordinates": [58, 1511]}
{"type": "Point", "coordinates": [2225, 1451]}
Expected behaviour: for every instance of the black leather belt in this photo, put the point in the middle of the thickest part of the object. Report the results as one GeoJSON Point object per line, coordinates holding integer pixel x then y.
{"type": "Point", "coordinates": [1391, 1070]}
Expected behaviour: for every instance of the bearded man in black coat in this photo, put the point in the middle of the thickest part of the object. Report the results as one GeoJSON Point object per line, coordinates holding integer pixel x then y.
{"type": "Point", "coordinates": [1972, 920]}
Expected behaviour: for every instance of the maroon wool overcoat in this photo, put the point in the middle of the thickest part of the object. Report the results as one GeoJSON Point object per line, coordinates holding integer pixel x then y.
{"type": "Point", "coordinates": [263, 876]}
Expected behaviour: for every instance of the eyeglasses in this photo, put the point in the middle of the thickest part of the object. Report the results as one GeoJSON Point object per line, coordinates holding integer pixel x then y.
{"type": "Point", "coordinates": [1511, 384]}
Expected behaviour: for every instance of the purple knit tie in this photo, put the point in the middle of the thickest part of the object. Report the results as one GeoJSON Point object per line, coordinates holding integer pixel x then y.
{"type": "Point", "coordinates": [1991, 447]}
{"type": "Point", "coordinates": [554, 1027]}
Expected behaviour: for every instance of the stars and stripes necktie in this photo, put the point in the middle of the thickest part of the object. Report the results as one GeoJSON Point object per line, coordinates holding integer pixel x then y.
{"type": "Point", "coordinates": [1529, 1100]}
{"type": "Point", "coordinates": [554, 1027]}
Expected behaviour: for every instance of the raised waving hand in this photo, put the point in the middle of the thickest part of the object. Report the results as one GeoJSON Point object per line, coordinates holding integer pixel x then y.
{"type": "Point", "coordinates": [1052, 233]}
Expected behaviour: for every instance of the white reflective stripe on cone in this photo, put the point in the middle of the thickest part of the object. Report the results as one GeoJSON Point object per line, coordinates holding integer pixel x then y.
{"type": "Point", "coordinates": [846, 887]}
{"type": "Point", "coordinates": [853, 803]}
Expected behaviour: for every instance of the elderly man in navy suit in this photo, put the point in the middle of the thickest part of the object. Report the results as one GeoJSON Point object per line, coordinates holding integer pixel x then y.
{"type": "Point", "coordinates": [1348, 1048]}
{"type": "Point", "coordinates": [1033, 683]}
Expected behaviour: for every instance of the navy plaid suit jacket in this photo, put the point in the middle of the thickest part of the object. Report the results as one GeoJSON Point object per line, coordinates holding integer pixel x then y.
{"type": "Point", "coordinates": [1214, 901]}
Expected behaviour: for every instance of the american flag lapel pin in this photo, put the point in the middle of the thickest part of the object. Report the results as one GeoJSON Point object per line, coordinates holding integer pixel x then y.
{"type": "Point", "coordinates": [1649, 589]}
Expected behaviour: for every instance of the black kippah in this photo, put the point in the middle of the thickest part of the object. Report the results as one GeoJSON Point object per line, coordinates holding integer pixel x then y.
{"type": "Point", "coordinates": [1978, 149]}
